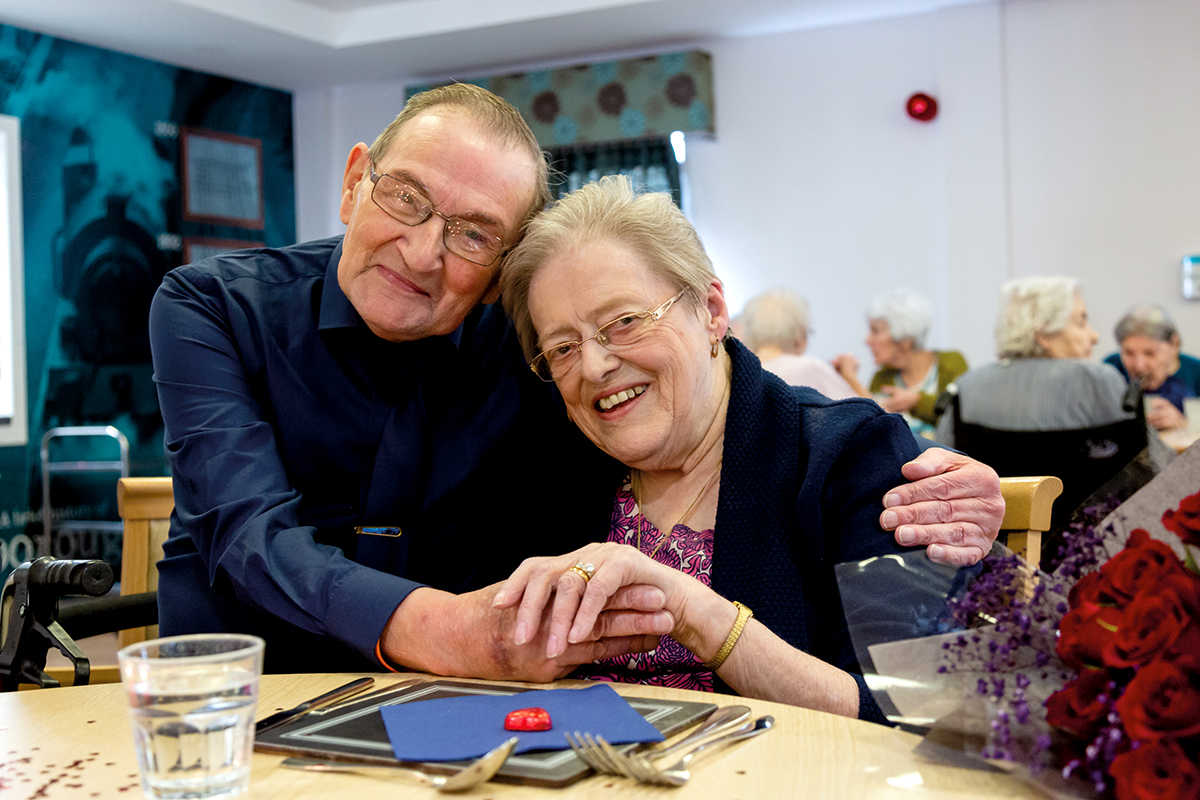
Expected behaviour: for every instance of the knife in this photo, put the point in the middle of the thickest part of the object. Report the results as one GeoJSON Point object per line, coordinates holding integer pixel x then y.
{"type": "Point", "coordinates": [353, 687]}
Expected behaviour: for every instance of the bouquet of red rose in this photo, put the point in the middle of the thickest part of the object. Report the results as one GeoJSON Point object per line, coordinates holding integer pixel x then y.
{"type": "Point", "coordinates": [1085, 681]}
{"type": "Point", "coordinates": [1132, 633]}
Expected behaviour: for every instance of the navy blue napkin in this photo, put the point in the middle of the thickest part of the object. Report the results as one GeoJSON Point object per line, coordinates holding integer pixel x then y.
{"type": "Point", "coordinates": [457, 728]}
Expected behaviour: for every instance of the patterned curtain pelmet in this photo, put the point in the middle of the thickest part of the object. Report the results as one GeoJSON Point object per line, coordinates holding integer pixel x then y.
{"type": "Point", "coordinates": [610, 101]}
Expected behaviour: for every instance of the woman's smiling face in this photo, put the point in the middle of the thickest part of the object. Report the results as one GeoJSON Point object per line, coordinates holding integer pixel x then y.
{"type": "Point", "coordinates": [650, 404]}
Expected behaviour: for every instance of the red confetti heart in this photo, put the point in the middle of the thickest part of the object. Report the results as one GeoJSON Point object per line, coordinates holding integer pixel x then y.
{"type": "Point", "coordinates": [528, 719]}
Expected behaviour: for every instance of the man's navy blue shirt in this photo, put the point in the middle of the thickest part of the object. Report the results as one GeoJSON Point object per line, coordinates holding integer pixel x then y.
{"type": "Point", "coordinates": [289, 425]}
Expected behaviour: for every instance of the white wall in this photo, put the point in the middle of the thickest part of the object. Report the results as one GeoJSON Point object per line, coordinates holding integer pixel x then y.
{"type": "Point", "coordinates": [1066, 143]}
{"type": "Point", "coordinates": [1104, 142]}
{"type": "Point", "coordinates": [817, 179]}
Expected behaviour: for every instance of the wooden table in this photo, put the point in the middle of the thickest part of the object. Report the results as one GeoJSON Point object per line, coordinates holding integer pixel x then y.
{"type": "Point", "coordinates": [76, 743]}
{"type": "Point", "coordinates": [1178, 439]}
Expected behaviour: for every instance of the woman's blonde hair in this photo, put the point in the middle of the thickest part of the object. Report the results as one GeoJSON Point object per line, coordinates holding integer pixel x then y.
{"type": "Point", "coordinates": [609, 211]}
{"type": "Point", "coordinates": [1033, 307]}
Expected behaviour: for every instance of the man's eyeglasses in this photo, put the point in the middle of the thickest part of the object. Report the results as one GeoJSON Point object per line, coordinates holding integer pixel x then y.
{"type": "Point", "coordinates": [555, 363]}
{"type": "Point", "coordinates": [406, 204]}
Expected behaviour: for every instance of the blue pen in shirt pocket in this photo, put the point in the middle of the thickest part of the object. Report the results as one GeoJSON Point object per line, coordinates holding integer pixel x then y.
{"type": "Point", "coordinates": [378, 530]}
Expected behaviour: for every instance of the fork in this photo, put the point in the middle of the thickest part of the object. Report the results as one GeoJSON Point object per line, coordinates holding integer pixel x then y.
{"type": "Point", "coordinates": [475, 773]}
{"type": "Point", "coordinates": [642, 769]}
{"type": "Point", "coordinates": [723, 719]}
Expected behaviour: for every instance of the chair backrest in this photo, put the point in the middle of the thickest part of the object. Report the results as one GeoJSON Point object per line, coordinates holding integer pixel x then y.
{"type": "Point", "coordinates": [1028, 503]}
{"type": "Point", "coordinates": [1083, 458]}
{"type": "Point", "coordinates": [145, 506]}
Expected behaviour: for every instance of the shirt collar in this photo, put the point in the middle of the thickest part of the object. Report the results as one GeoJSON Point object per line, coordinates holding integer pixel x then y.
{"type": "Point", "coordinates": [338, 312]}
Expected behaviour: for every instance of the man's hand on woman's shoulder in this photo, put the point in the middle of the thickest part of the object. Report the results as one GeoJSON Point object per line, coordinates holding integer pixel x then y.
{"type": "Point", "coordinates": [952, 506]}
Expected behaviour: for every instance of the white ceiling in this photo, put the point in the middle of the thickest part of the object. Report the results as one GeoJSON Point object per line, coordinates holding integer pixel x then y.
{"type": "Point", "coordinates": [302, 44]}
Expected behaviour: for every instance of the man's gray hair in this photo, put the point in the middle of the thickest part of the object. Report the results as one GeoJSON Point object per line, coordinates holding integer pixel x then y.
{"type": "Point", "coordinates": [778, 317]}
{"type": "Point", "coordinates": [1152, 321]}
{"type": "Point", "coordinates": [1033, 307]}
{"type": "Point", "coordinates": [908, 315]}
{"type": "Point", "coordinates": [494, 115]}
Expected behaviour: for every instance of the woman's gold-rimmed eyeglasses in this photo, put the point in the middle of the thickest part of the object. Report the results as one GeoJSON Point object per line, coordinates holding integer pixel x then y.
{"type": "Point", "coordinates": [558, 360]}
{"type": "Point", "coordinates": [405, 203]}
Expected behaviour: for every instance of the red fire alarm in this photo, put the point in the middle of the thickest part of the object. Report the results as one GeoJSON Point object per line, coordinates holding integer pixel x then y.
{"type": "Point", "coordinates": [921, 107]}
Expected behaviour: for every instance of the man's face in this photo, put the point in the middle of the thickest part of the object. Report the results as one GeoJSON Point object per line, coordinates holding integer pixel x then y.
{"type": "Point", "coordinates": [402, 280]}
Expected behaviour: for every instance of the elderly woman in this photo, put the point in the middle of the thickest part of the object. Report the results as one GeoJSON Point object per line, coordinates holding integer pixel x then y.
{"type": "Point", "coordinates": [911, 377]}
{"type": "Point", "coordinates": [776, 330]}
{"type": "Point", "coordinates": [1149, 354]}
{"type": "Point", "coordinates": [739, 487]}
{"type": "Point", "coordinates": [1043, 380]}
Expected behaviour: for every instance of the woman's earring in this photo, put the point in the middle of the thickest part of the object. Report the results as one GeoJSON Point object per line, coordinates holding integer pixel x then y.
{"type": "Point", "coordinates": [715, 348]}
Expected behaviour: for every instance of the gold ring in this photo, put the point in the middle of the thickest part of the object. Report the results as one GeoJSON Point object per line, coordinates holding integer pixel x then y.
{"type": "Point", "coordinates": [585, 571]}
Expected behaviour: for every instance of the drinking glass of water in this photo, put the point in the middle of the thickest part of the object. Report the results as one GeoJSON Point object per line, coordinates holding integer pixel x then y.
{"type": "Point", "coordinates": [192, 702]}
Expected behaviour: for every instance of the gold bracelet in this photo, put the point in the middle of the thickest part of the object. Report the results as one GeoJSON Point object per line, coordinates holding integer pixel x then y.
{"type": "Point", "coordinates": [743, 616]}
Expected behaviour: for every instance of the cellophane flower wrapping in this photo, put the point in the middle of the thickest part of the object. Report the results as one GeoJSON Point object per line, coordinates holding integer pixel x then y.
{"type": "Point", "coordinates": [1085, 680]}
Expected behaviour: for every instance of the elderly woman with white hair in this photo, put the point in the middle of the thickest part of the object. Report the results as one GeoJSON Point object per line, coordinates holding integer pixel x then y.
{"type": "Point", "coordinates": [911, 377]}
{"type": "Point", "coordinates": [1150, 354]}
{"type": "Point", "coordinates": [1043, 380]}
{"type": "Point", "coordinates": [775, 328]}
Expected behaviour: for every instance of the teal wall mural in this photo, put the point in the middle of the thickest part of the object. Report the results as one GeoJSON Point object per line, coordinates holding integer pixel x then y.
{"type": "Point", "coordinates": [109, 207]}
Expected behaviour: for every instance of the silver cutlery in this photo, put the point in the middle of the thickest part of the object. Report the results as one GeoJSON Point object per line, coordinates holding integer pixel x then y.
{"type": "Point", "coordinates": [345, 690]}
{"type": "Point", "coordinates": [723, 719]}
{"type": "Point", "coordinates": [469, 777]}
{"type": "Point", "coordinates": [642, 769]}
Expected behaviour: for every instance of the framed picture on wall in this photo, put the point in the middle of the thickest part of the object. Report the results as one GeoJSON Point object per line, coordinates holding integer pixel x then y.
{"type": "Point", "coordinates": [222, 178]}
{"type": "Point", "coordinates": [197, 248]}
{"type": "Point", "coordinates": [14, 427]}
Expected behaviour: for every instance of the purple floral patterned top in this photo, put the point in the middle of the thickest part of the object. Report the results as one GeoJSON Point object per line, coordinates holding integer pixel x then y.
{"type": "Point", "coordinates": [689, 551]}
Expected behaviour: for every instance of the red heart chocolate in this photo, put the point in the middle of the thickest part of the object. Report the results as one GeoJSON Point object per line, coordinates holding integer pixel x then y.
{"type": "Point", "coordinates": [528, 719]}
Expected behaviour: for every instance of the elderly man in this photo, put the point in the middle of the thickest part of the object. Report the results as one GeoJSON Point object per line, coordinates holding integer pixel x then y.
{"type": "Point", "coordinates": [358, 449]}
{"type": "Point", "coordinates": [775, 327]}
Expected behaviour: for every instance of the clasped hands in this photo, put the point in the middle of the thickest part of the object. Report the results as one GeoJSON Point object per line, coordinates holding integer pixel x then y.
{"type": "Point", "coordinates": [952, 506]}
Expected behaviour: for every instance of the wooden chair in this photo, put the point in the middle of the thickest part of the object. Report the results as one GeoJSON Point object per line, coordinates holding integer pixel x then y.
{"type": "Point", "coordinates": [145, 507]}
{"type": "Point", "coordinates": [1028, 503]}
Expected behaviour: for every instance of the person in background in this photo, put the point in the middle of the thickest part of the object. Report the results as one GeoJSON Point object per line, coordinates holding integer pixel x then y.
{"type": "Point", "coordinates": [911, 377]}
{"type": "Point", "coordinates": [1150, 354]}
{"type": "Point", "coordinates": [776, 325]}
{"type": "Point", "coordinates": [1043, 380]}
